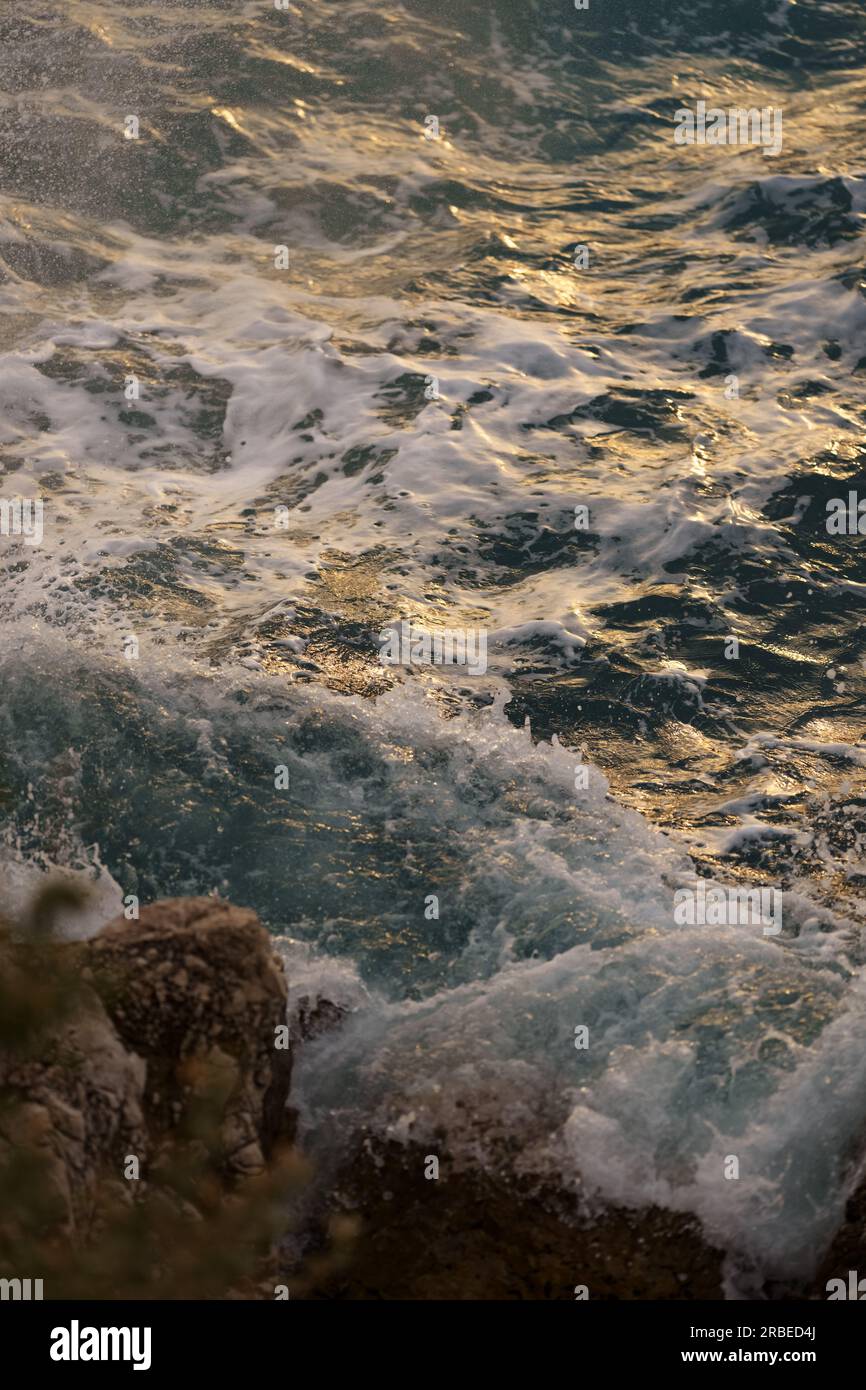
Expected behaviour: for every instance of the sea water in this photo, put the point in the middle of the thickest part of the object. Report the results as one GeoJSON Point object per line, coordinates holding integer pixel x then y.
{"type": "Point", "coordinates": [320, 320]}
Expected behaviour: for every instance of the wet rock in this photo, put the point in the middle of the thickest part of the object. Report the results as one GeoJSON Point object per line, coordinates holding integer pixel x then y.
{"type": "Point", "coordinates": [313, 1017]}
{"type": "Point", "coordinates": [471, 1234]}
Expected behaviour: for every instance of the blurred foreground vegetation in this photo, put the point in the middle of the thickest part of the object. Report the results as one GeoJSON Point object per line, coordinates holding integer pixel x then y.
{"type": "Point", "coordinates": [182, 1230]}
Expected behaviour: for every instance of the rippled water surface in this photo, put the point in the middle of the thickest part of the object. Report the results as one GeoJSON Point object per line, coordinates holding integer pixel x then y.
{"type": "Point", "coordinates": [400, 424]}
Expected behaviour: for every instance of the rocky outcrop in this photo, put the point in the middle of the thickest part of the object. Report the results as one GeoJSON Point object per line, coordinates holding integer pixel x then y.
{"type": "Point", "coordinates": [154, 1041]}
{"type": "Point", "coordinates": [193, 987]}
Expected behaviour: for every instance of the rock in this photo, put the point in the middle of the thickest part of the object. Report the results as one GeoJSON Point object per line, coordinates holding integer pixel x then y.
{"type": "Point", "coordinates": [313, 1017]}
{"type": "Point", "coordinates": [79, 1092]}
{"type": "Point", "coordinates": [475, 1235]}
{"type": "Point", "coordinates": [195, 989]}
{"type": "Point", "coordinates": [153, 1040]}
